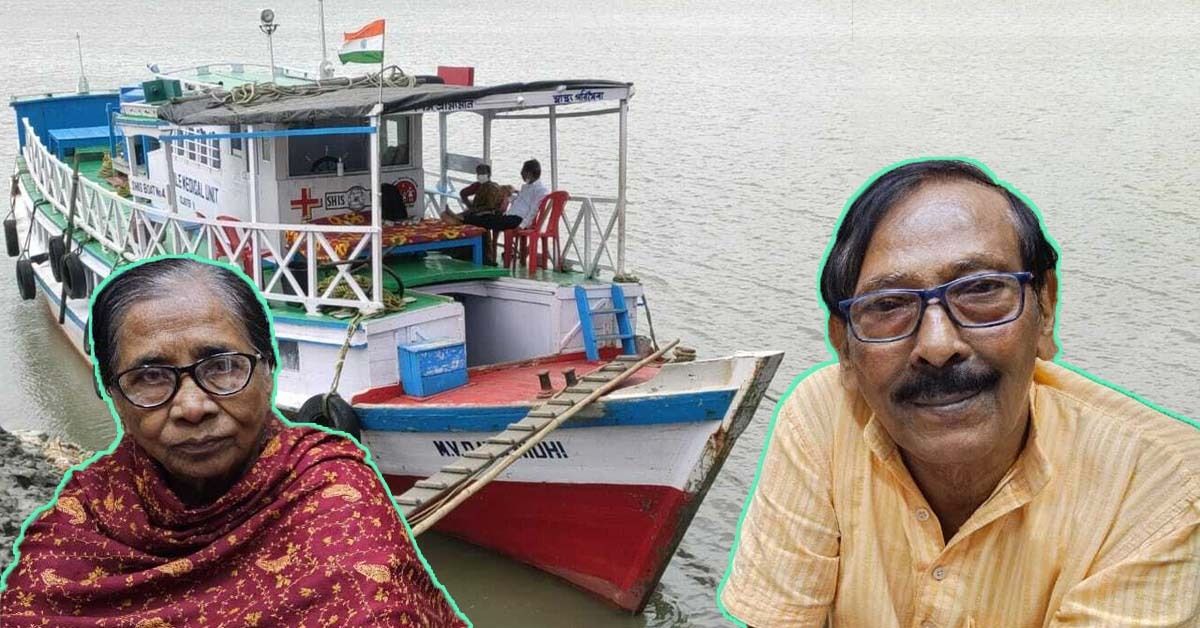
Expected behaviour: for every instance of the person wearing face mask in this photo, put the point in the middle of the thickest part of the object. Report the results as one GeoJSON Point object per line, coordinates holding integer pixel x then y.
{"type": "Point", "coordinates": [484, 202]}
{"type": "Point", "coordinates": [484, 196]}
{"type": "Point", "coordinates": [526, 203]}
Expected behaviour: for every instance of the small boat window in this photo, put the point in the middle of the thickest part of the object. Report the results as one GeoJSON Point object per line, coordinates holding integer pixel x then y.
{"type": "Point", "coordinates": [204, 152]}
{"type": "Point", "coordinates": [235, 143]}
{"type": "Point", "coordinates": [394, 141]}
{"type": "Point", "coordinates": [319, 154]}
{"type": "Point", "coordinates": [289, 355]}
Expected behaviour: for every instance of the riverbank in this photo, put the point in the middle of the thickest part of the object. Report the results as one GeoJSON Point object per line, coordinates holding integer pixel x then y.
{"type": "Point", "coordinates": [31, 466]}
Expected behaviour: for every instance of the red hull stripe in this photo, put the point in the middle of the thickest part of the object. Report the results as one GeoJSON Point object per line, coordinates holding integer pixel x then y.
{"type": "Point", "coordinates": [608, 539]}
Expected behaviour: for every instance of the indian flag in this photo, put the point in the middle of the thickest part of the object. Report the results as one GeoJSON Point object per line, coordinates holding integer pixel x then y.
{"type": "Point", "coordinates": [364, 45]}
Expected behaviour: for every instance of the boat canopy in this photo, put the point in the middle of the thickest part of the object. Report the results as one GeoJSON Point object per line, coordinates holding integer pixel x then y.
{"type": "Point", "coordinates": [340, 104]}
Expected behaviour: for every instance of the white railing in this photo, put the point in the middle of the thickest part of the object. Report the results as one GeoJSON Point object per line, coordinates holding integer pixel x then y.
{"type": "Point", "coordinates": [589, 221]}
{"type": "Point", "coordinates": [133, 231]}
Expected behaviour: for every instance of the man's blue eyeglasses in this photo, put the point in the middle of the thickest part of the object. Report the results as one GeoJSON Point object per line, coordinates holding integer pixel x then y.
{"type": "Point", "coordinates": [983, 300]}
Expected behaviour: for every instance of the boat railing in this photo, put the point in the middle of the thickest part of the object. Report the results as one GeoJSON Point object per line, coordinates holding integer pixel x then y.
{"type": "Point", "coordinates": [288, 262]}
{"type": "Point", "coordinates": [198, 73]}
{"type": "Point", "coordinates": [590, 221]}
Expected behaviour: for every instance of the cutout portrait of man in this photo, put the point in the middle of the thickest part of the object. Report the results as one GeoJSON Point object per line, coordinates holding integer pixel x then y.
{"type": "Point", "coordinates": [944, 471]}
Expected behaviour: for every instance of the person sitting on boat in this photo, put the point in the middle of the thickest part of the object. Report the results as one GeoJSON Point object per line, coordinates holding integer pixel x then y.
{"type": "Point", "coordinates": [484, 197]}
{"type": "Point", "coordinates": [211, 509]}
{"type": "Point", "coordinates": [944, 472]}
{"type": "Point", "coordinates": [531, 194]}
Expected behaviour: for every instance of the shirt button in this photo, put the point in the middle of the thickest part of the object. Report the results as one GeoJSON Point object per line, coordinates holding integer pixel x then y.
{"type": "Point", "coordinates": [922, 514]}
{"type": "Point", "coordinates": [939, 573]}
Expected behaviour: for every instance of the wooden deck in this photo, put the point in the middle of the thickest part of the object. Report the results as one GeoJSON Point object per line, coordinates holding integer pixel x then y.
{"type": "Point", "coordinates": [503, 384]}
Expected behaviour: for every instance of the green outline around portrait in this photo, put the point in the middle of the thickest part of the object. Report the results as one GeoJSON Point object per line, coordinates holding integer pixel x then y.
{"type": "Point", "coordinates": [737, 536]}
{"type": "Point", "coordinates": [274, 392]}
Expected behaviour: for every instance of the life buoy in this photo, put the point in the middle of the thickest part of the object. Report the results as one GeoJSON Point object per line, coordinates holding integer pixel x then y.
{"type": "Point", "coordinates": [10, 237]}
{"type": "Point", "coordinates": [74, 276]}
{"type": "Point", "coordinates": [56, 249]}
{"type": "Point", "coordinates": [25, 279]}
{"type": "Point", "coordinates": [330, 410]}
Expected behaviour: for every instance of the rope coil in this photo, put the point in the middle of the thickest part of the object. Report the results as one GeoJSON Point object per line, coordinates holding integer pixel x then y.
{"type": "Point", "coordinates": [391, 76]}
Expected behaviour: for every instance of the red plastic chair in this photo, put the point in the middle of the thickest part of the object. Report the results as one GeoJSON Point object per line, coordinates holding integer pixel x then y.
{"type": "Point", "coordinates": [544, 229]}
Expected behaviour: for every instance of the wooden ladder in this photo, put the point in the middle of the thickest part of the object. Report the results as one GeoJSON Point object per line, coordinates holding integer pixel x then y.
{"type": "Point", "coordinates": [434, 497]}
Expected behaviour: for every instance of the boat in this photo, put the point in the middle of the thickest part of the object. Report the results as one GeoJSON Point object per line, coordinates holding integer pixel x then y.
{"type": "Point", "coordinates": [294, 177]}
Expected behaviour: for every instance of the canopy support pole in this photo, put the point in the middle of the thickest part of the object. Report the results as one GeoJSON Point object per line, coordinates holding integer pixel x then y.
{"type": "Point", "coordinates": [376, 213]}
{"type": "Point", "coordinates": [487, 138]}
{"type": "Point", "coordinates": [622, 161]}
{"type": "Point", "coordinates": [169, 149]}
{"type": "Point", "coordinates": [251, 155]}
{"type": "Point", "coordinates": [553, 148]}
{"type": "Point", "coordinates": [443, 141]}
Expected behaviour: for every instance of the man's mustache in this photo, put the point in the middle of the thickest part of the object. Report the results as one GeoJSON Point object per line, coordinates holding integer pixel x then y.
{"type": "Point", "coordinates": [951, 380]}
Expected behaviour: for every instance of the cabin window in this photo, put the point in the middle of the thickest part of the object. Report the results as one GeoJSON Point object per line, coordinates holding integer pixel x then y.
{"type": "Point", "coordinates": [310, 155]}
{"type": "Point", "coordinates": [264, 148]}
{"type": "Point", "coordinates": [394, 142]}
{"type": "Point", "coordinates": [235, 143]}
{"type": "Point", "coordinates": [289, 355]}
{"type": "Point", "coordinates": [214, 153]}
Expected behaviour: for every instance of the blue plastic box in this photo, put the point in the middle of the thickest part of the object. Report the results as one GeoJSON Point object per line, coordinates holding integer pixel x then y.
{"type": "Point", "coordinates": [432, 367]}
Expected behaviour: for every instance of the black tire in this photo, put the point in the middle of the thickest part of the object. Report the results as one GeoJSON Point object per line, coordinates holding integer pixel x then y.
{"type": "Point", "coordinates": [57, 250]}
{"type": "Point", "coordinates": [11, 241]}
{"type": "Point", "coordinates": [340, 414]}
{"type": "Point", "coordinates": [25, 279]}
{"type": "Point", "coordinates": [74, 276]}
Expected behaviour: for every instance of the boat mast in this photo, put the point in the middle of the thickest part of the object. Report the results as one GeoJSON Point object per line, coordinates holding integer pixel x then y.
{"type": "Point", "coordinates": [268, 26]}
{"type": "Point", "coordinates": [325, 70]}
{"type": "Point", "coordinates": [83, 82]}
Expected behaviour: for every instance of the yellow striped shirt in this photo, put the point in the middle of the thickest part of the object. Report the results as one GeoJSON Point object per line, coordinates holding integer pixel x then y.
{"type": "Point", "coordinates": [1096, 524]}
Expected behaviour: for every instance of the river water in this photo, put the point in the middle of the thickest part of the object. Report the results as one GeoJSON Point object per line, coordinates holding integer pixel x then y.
{"type": "Point", "coordinates": [752, 125]}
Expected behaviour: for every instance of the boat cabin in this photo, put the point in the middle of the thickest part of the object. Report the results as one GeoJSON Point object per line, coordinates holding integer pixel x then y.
{"type": "Point", "coordinates": [319, 190]}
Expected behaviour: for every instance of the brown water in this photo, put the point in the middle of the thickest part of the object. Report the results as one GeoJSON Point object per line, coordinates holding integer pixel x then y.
{"type": "Point", "coordinates": [752, 125]}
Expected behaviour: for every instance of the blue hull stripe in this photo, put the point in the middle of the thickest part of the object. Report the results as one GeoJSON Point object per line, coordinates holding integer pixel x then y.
{"type": "Point", "coordinates": [709, 405]}
{"type": "Point", "coordinates": [55, 301]}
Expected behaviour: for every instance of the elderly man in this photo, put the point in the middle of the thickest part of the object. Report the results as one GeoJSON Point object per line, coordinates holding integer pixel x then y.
{"type": "Point", "coordinates": [210, 510]}
{"type": "Point", "coordinates": [944, 472]}
{"type": "Point", "coordinates": [531, 194]}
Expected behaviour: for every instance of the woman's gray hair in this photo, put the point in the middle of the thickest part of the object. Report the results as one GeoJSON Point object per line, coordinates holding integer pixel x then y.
{"type": "Point", "coordinates": [165, 276]}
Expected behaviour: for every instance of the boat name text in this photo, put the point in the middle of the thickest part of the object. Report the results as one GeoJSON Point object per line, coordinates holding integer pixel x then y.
{"type": "Point", "coordinates": [542, 450]}
{"type": "Point", "coordinates": [141, 187]}
{"type": "Point", "coordinates": [458, 105]}
{"type": "Point", "coordinates": [583, 95]}
{"type": "Point", "coordinates": [197, 188]}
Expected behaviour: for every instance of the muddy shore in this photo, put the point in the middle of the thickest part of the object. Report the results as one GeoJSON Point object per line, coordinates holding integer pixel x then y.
{"type": "Point", "coordinates": [31, 466]}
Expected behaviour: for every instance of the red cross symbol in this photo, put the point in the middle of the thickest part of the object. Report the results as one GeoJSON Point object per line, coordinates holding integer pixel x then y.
{"type": "Point", "coordinates": [306, 204]}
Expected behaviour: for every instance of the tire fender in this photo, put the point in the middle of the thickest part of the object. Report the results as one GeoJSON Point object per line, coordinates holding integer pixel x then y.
{"type": "Point", "coordinates": [330, 410]}
{"type": "Point", "coordinates": [56, 249]}
{"type": "Point", "coordinates": [11, 241]}
{"type": "Point", "coordinates": [25, 279]}
{"type": "Point", "coordinates": [74, 276]}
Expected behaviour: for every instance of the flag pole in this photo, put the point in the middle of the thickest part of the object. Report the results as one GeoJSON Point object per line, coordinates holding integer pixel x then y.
{"type": "Point", "coordinates": [382, 57]}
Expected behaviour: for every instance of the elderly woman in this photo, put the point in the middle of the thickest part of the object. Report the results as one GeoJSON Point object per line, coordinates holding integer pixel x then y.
{"type": "Point", "coordinates": [211, 510]}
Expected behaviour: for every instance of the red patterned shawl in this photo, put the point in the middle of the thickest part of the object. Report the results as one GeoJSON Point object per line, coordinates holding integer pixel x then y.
{"type": "Point", "coordinates": [307, 537]}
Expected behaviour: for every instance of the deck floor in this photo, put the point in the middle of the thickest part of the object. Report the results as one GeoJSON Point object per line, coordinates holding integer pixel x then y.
{"type": "Point", "coordinates": [512, 384]}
